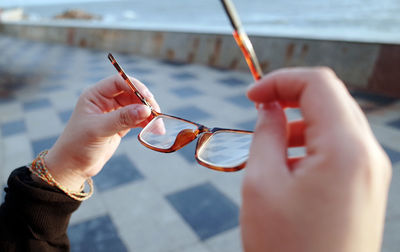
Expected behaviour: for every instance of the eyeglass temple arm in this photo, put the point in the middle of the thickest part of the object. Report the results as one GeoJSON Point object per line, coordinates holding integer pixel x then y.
{"type": "Point", "coordinates": [242, 40]}
{"type": "Point", "coordinates": [130, 83]}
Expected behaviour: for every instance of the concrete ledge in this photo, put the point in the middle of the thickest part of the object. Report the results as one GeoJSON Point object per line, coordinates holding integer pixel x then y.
{"type": "Point", "coordinates": [367, 66]}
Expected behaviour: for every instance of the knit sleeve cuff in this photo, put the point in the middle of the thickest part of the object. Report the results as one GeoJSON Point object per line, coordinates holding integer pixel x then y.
{"type": "Point", "coordinates": [45, 209]}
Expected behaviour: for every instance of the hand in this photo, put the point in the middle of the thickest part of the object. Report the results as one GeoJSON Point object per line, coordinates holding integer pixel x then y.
{"type": "Point", "coordinates": [333, 198]}
{"type": "Point", "coordinates": [103, 114]}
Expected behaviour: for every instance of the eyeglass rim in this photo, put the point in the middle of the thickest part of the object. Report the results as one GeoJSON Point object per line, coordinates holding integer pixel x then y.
{"type": "Point", "coordinates": [242, 39]}
{"type": "Point", "coordinates": [203, 140]}
{"type": "Point", "coordinates": [202, 137]}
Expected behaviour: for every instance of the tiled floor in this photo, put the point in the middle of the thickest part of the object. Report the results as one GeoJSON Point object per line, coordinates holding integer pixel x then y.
{"type": "Point", "coordinates": [144, 200]}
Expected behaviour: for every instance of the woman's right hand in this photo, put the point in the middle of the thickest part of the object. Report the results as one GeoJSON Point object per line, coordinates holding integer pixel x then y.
{"type": "Point", "coordinates": [333, 198]}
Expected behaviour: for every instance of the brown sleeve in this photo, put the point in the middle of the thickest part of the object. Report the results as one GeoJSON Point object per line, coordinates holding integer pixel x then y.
{"type": "Point", "coordinates": [34, 216]}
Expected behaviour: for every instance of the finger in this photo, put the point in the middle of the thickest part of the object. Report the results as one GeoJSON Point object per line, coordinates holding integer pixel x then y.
{"type": "Point", "coordinates": [113, 92]}
{"type": "Point", "coordinates": [123, 119]}
{"type": "Point", "coordinates": [147, 94]}
{"type": "Point", "coordinates": [267, 158]}
{"type": "Point", "coordinates": [293, 161]}
{"type": "Point", "coordinates": [320, 95]}
{"type": "Point", "coordinates": [296, 136]}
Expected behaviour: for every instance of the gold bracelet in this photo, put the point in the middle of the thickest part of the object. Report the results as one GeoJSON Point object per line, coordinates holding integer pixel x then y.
{"type": "Point", "coordinates": [38, 168]}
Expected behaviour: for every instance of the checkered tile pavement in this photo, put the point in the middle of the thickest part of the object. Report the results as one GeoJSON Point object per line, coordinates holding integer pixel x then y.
{"type": "Point", "coordinates": [144, 200]}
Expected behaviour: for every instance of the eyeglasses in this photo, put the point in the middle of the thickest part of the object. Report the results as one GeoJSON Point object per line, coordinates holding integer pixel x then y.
{"type": "Point", "coordinates": [242, 40]}
{"type": "Point", "coordinates": [217, 148]}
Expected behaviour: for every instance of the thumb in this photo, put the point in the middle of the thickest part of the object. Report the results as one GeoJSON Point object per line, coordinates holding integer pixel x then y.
{"type": "Point", "coordinates": [268, 152]}
{"type": "Point", "coordinates": [124, 118]}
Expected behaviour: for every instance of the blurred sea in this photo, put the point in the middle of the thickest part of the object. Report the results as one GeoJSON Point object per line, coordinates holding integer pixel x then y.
{"type": "Point", "coordinates": [359, 20]}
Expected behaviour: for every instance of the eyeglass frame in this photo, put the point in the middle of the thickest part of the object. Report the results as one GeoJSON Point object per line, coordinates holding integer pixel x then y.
{"type": "Point", "coordinates": [205, 133]}
{"type": "Point", "coordinates": [242, 40]}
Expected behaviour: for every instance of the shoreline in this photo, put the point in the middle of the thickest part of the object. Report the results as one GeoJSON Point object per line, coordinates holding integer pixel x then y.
{"type": "Point", "coordinates": [361, 65]}
{"type": "Point", "coordinates": [376, 38]}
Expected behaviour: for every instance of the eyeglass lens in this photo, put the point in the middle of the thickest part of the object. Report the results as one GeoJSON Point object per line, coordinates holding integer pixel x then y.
{"type": "Point", "coordinates": [223, 148]}
{"type": "Point", "coordinates": [226, 149]}
{"type": "Point", "coordinates": [162, 131]}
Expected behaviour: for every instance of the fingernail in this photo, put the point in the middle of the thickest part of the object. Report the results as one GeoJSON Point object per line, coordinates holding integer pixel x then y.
{"type": "Point", "coordinates": [141, 111]}
{"type": "Point", "coordinates": [266, 108]}
{"type": "Point", "coordinates": [271, 105]}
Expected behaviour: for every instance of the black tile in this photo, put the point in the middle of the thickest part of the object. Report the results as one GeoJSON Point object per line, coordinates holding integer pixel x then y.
{"type": "Point", "coordinates": [376, 98]}
{"type": "Point", "coordinates": [183, 76]}
{"type": "Point", "coordinates": [188, 152]}
{"type": "Point", "coordinates": [12, 128]}
{"type": "Point", "coordinates": [393, 155]}
{"type": "Point", "coordinates": [5, 100]}
{"type": "Point", "coordinates": [173, 63]}
{"type": "Point", "coordinates": [186, 92]}
{"type": "Point", "coordinates": [232, 81]}
{"type": "Point", "coordinates": [205, 209]}
{"type": "Point", "coordinates": [43, 144]}
{"type": "Point", "coordinates": [65, 115]}
{"type": "Point", "coordinates": [36, 104]}
{"type": "Point", "coordinates": [98, 235]}
{"type": "Point", "coordinates": [119, 170]}
{"type": "Point", "coordinates": [191, 113]}
{"type": "Point", "coordinates": [395, 124]}
{"type": "Point", "coordinates": [51, 88]}
{"type": "Point", "coordinates": [241, 101]}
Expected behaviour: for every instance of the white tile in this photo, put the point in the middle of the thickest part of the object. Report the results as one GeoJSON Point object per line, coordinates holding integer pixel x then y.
{"type": "Point", "coordinates": [63, 100]}
{"type": "Point", "coordinates": [17, 152]}
{"type": "Point", "coordinates": [89, 209]}
{"type": "Point", "coordinates": [145, 220]}
{"type": "Point", "coordinates": [10, 112]}
{"type": "Point", "coordinates": [168, 172]}
{"type": "Point", "coordinates": [198, 247]}
{"type": "Point", "coordinates": [16, 144]}
{"type": "Point", "coordinates": [43, 123]}
{"type": "Point", "coordinates": [227, 241]}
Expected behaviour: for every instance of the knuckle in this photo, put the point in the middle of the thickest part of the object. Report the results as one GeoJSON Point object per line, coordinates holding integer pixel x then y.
{"type": "Point", "coordinates": [371, 162]}
{"type": "Point", "coordinates": [124, 119]}
{"type": "Point", "coordinates": [386, 166]}
{"type": "Point", "coordinates": [325, 71]}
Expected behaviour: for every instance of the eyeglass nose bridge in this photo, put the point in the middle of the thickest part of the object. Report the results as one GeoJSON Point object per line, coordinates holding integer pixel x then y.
{"type": "Point", "coordinates": [186, 136]}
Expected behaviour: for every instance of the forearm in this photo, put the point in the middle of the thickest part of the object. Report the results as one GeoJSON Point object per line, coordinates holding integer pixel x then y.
{"type": "Point", "coordinates": [34, 216]}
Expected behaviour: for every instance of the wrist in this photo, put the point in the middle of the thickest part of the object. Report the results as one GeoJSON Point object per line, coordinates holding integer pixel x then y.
{"type": "Point", "coordinates": [64, 171]}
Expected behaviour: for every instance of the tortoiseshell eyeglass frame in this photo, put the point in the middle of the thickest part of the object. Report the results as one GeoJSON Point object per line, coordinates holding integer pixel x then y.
{"type": "Point", "coordinates": [242, 40]}
{"type": "Point", "coordinates": [185, 136]}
